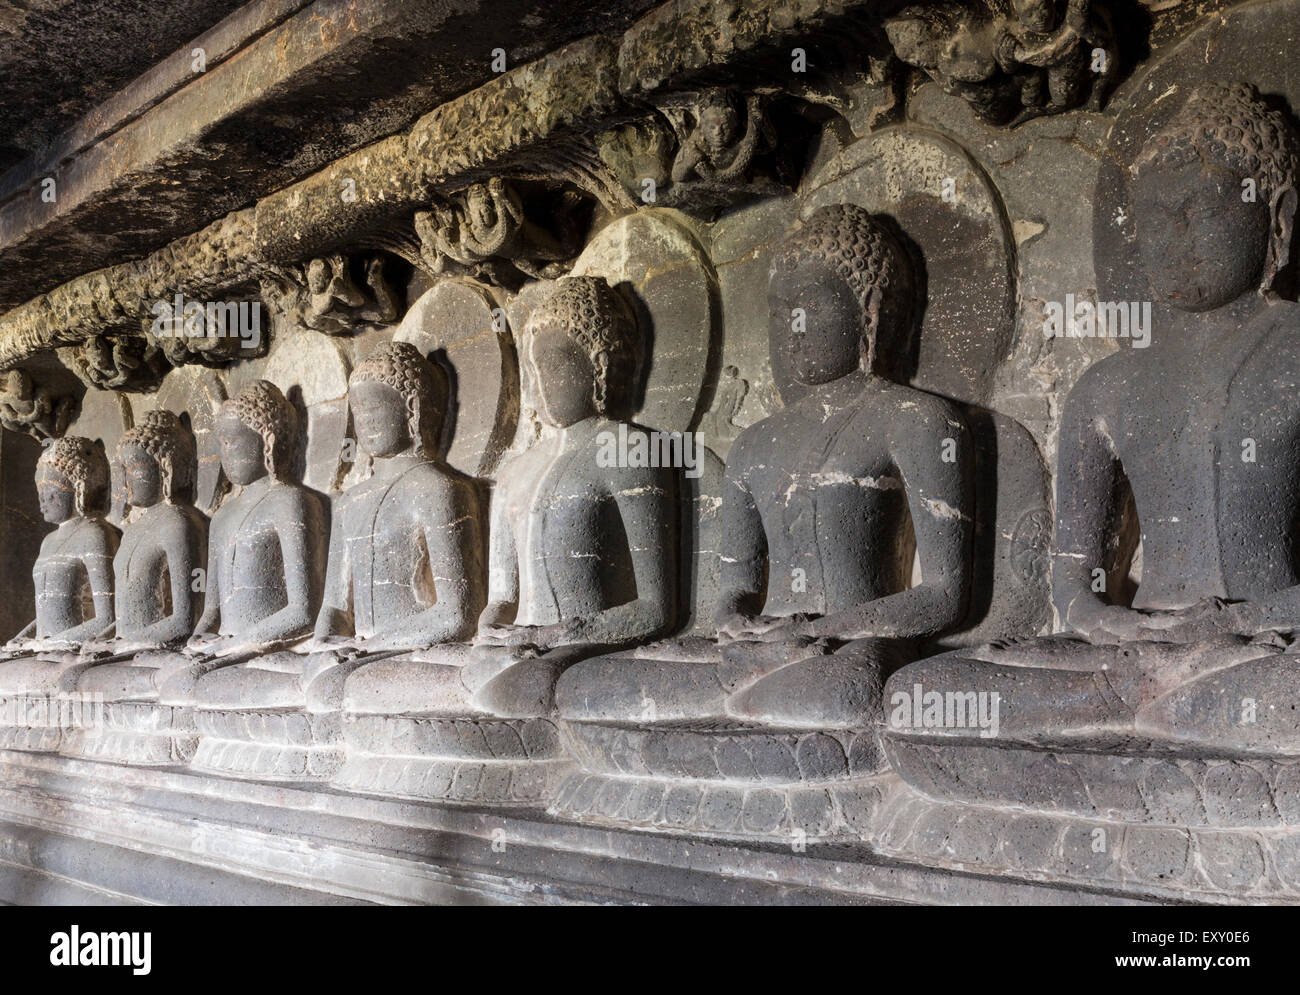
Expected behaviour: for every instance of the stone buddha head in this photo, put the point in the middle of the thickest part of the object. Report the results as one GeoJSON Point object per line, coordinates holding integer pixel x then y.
{"type": "Point", "coordinates": [1036, 15]}
{"type": "Point", "coordinates": [1214, 199]}
{"type": "Point", "coordinates": [583, 348]}
{"type": "Point", "coordinates": [157, 460]}
{"type": "Point", "coordinates": [318, 276]}
{"type": "Point", "coordinates": [72, 479]}
{"type": "Point", "coordinates": [840, 294]}
{"type": "Point", "coordinates": [398, 401]}
{"type": "Point", "coordinates": [719, 118]}
{"type": "Point", "coordinates": [256, 432]}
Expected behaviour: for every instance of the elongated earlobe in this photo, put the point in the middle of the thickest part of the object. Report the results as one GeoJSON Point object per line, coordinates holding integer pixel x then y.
{"type": "Point", "coordinates": [599, 388]}
{"type": "Point", "coordinates": [413, 423]}
{"type": "Point", "coordinates": [1282, 210]}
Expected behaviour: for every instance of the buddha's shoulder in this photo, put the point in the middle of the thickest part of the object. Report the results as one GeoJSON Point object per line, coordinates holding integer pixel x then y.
{"type": "Point", "coordinates": [1111, 375]}
{"type": "Point", "coordinates": [85, 535]}
{"type": "Point", "coordinates": [291, 498]}
{"type": "Point", "coordinates": [95, 527]}
{"type": "Point", "coordinates": [1278, 329]}
{"type": "Point", "coordinates": [430, 482]}
{"type": "Point", "coordinates": [909, 406]}
{"type": "Point", "coordinates": [169, 520]}
{"type": "Point", "coordinates": [763, 437]}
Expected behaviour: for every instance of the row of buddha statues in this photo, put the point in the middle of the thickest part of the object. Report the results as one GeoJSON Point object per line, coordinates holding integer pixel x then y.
{"type": "Point", "coordinates": [432, 642]}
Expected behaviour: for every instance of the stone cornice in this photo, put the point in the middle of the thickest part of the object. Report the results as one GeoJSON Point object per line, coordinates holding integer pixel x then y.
{"type": "Point", "coordinates": [536, 119]}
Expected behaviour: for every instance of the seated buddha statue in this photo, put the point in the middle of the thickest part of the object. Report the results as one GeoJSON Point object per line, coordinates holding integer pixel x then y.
{"type": "Point", "coordinates": [155, 600]}
{"type": "Point", "coordinates": [583, 559]}
{"type": "Point", "coordinates": [73, 580]}
{"type": "Point", "coordinates": [265, 555]}
{"type": "Point", "coordinates": [1203, 427]}
{"type": "Point", "coordinates": [817, 606]}
{"type": "Point", "coordinates": [266, 544]}
{"type": "Point", "coordinates": [402, 574]}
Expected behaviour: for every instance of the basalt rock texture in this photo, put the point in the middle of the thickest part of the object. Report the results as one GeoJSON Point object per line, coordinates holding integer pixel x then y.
{"type": "Point", "coordinates": [817, 452]}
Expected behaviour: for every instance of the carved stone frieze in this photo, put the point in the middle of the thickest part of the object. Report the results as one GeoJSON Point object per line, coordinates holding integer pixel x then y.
{"type": "Point", "coordinates": [32, 407]}
{"type": "Point", "coordinates": [763, 426]}
{"type": "Point", "coordinates": [484, 232]}
{"type": "Point", "coordinates": [1039, 57]}
{"type": "Point", "coordinates": [116, 362]}
{"type": "Point", "coordinates": [324, 296]}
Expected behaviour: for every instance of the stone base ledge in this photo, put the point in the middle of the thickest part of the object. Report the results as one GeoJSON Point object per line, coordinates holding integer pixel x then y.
{"type": "Point", "coordinates": [1242, 865]}
{"type": "Point", "coordinates": [76, 831]}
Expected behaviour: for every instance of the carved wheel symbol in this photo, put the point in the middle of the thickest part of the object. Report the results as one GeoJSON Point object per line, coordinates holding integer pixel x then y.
{"type": "Point", "coordinates": [1029, 546]}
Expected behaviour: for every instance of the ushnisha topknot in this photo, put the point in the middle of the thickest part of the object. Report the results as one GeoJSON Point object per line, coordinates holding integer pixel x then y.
{"type": "Point", "coordinates": [163, 436]}
{"type": "Point", "coordinates": [263, 408]}
{"type": "Point", "coordinates": [402, 366]}
{"type": "Point", "coordinates": [865, 254]}
{"type": "Point", "coordinates": [592, 313]}
{"type": "Point", "coordinates": [83, 463]}
{"type": "Point", "coordinates": [1234, 123]}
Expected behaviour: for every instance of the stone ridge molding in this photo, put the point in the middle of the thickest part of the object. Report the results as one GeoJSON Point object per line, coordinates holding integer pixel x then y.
{"type": "Point", "coordinates": [117, 297]}
{"type": "Point", "coordinates": [230, 841]}
{"type": "Point", "coordinates": [538, 119]}
{"type": "Point", "coordinates": [220, 122]}
{"type": "Point", "coordinates": [704, 479]}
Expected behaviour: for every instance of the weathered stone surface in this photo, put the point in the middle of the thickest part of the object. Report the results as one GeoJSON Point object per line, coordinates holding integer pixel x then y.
{"type": "Point", "coordinates": [193, 145]}
{"type": "Point", "coordinates": [62, 60]}
{"type": "Point", "coordinates": [560, 94]}
{"type": "Point", "coordinates": [657, 257]}
{"type": "Point", "coordinates": [312, 371]}
{"type": "Point", "coordinates": [963, 241]}
{"type": "Point", "coordinates": [461, 326]}
{"type": "Point", "coordinates": [670, 516]}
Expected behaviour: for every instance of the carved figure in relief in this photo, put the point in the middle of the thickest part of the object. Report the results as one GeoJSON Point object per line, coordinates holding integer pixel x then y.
{"type": "Point", "coordinates": [1202, 427]}
{"type": "Point", "coordinates": [403, 574]}
{"type": "Point", "coordinates": [817, 606]}
{"type": "Point", "coordinates": [73, 578]}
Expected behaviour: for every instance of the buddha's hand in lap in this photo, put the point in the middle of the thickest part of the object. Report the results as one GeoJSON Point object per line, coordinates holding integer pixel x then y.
{"type": "Point", "coordinates": [340, 646]}
{"type": "Point", "coordinates": [795, 629]}
{"type": "Point", "coordinates": [234, 646]}
{"type": "Point", "coordinates": [118, 647]}
{"type": "Point", "coordinates": [1215, 617]}
{"type": "Point", "coordinates": [138, 646]}
{"type": "Point", "coordinates": [540, 637]}
{"type": "Point", "coordinates": [214, 645]}
{"type": "Point", "coordinates": [1117, 624]}
{"type": "Point", "coordinates": [202, 643]}
{"type": "Point", "coordinates": [506, 634]}
{"type": "Point", "coordinates": [388, 642]}
{"type": "Point", "coordinates": [740, 627]}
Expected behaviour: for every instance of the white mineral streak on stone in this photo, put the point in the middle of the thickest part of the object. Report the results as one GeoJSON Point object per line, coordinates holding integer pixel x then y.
{"type": "Point", "coordinates": [910, 163]}
{"type": "Point", "coordinates": [830, 478]}
{"type": "Point", "coordinates": [1023, 230]}
{"type": "Point", "coordinates": [941, 509]}
{"type": "Point", "coordinates": [1104, 430]}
